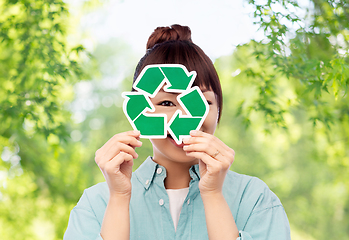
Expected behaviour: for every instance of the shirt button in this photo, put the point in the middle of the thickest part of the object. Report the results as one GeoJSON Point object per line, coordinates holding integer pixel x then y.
{"type": "Point", "coordinates": [147, 182]}
{"type": "Point", "coordinates": [159, 170]}
{"type": "Point", "coordinates": [161, 202]}
{"type": "Point", "coordinates": [188, 202]}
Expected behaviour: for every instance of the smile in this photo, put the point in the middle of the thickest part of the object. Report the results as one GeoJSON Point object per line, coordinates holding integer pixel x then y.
{"type": "Point", "coordinates": [173, 141]}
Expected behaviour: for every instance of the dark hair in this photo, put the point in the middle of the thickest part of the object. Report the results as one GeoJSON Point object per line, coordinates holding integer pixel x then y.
{"type": "Point", "coordinates": [174, 45]}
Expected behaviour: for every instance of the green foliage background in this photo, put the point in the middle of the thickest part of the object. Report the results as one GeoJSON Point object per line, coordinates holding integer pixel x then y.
{"type": "Point", "coordinates": [286, 113]}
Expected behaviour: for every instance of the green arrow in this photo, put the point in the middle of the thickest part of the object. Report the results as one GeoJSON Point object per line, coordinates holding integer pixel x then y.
{"type": "Point", "coordinates": [149, 80]}
{"type": "Point", "coordinates": [150, 125]}
{"type": "Point", "coordinates": [136, 104]}
{"type": "Point", "coordinates": [182, 126]}
{"type": "Point", "coordinates": [194, 103]}
{"type": "Point", "coordinates": [148, 83]}
{"type": "Point", "coordinates": [178, 77]}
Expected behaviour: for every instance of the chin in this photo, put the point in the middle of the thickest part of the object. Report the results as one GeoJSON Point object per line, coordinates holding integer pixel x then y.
{"type": "Point", "coordinates": [169, 149]}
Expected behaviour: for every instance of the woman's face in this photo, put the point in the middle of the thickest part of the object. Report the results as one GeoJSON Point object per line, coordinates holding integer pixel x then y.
{"type": "Point", "coordinates": [167, 149]}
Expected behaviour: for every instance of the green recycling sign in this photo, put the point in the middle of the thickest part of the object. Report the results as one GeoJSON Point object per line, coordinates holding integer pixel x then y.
{"type": "Point", "coordinates": [174, 78]}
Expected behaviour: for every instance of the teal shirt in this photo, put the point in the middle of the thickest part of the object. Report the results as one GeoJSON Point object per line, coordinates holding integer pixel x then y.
{"type": "Point", "coordinates": [257, 211]}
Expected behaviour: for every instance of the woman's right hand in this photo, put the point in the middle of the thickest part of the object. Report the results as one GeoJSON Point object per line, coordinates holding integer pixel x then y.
{"type": "Point", "coordinates": [115, 159]}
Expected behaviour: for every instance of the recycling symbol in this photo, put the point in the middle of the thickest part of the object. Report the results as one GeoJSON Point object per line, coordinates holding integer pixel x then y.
{"type": "Point", "coordinates": [174, 78]}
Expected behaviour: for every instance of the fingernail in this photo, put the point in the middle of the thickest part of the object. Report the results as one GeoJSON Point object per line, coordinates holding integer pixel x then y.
{"type": "Point", "coordinates": [185, 140]}
{"type": "Point", "coordinates": [193, 132]}
{"type": "Point", "coordinates": [136, 132]}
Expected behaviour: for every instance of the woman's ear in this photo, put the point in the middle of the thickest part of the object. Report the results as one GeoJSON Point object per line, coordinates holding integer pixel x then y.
{"type": "Point", "coordinates": [217, 116]}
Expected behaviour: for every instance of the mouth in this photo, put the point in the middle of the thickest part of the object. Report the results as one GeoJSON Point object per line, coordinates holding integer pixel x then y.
{"type": "Point", "coordinates": [174, 142]}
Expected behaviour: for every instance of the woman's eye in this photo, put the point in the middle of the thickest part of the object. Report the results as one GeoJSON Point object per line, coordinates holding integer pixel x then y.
{"type": "Point", "coordinates": [209, 102]}
{"type": "Point", "coordinates": [167, 103]}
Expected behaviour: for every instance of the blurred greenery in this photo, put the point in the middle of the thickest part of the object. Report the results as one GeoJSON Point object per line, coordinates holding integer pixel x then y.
{"type": "Point", "coordinates": [38, 67]}
{"type": "Point", "coordinates": [286, 113]}
{"type": "Point", "coordinates": [307, 42]}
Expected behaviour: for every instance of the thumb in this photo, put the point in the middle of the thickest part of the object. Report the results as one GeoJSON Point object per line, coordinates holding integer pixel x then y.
{"type": "Point", "coordinates": [202, 167]}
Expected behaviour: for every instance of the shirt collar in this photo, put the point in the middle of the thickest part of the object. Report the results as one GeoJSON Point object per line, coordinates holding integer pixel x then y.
{"type": "Point", "coordinates": [195, 172]}
{"type": "Point", "coordinates": [146, 171]}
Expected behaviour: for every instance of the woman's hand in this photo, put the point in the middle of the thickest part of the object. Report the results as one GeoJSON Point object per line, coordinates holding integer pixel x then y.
{"type": "Point", "coordinates": [215, 159]}
{"type": "Point", "coordinates": [115, 159]}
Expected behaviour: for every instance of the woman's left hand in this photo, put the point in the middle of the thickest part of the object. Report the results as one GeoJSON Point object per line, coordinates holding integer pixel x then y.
{"type": "Point", "coordinates": [215, 159]}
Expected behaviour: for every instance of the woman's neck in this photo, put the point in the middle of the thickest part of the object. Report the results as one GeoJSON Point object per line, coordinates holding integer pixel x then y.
{"type": "Point", "coordinates": [178, 175]}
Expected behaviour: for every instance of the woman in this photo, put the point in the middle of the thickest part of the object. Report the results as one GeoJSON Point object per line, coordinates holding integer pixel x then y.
{"type": "Point", "coordinates": [184, 191]}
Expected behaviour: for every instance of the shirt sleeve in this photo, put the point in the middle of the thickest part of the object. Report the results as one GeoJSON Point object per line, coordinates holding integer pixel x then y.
{"type": "Point", "coordinates": [83, 223]}
{"type": "Point", "coordinates": [268, 224]}
{"type": "Point", "coordinates": [266, 218]}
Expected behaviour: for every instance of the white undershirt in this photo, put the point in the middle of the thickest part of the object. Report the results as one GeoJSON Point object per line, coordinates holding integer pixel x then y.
{"type": "Point", "coordinates": [176, 197]}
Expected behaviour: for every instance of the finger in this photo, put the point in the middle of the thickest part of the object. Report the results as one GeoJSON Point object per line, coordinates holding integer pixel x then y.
{"type": "Point", "coordinates": [114, 165]}
{"type": "Point", "coordinates": [210, 148]}
{"type": "Point", "coordinates": [198, 133]}
{"type": "Point", "coordinates": [212, 164]}
{"type": "Point", "coordinates": [127, 149]}
{"type": "Point", "coordinates": [112, 151]}
{"type": "Point", "coordinates": [226, 161]}
{"type": "Point", "coordinates": [107, 152]}
{"type": "Point", "coordinates": [195, 147]}
{"type": "Point", "coordinates": [134, 133]}
{"type": "Point", "coordinates": [199, 137]}
{"type": "Point", "coordinates": [207, 158]}
{"type": "Point", "coordinates": [202, 137]}
{"type": "Point", "coordinates": [207, 145]}
{"type": "Point", "coordinates": [130, 138]}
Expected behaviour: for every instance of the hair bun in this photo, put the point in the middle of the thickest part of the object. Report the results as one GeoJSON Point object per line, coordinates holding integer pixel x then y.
{"type": "Point", "coordinates": [173, 33]}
